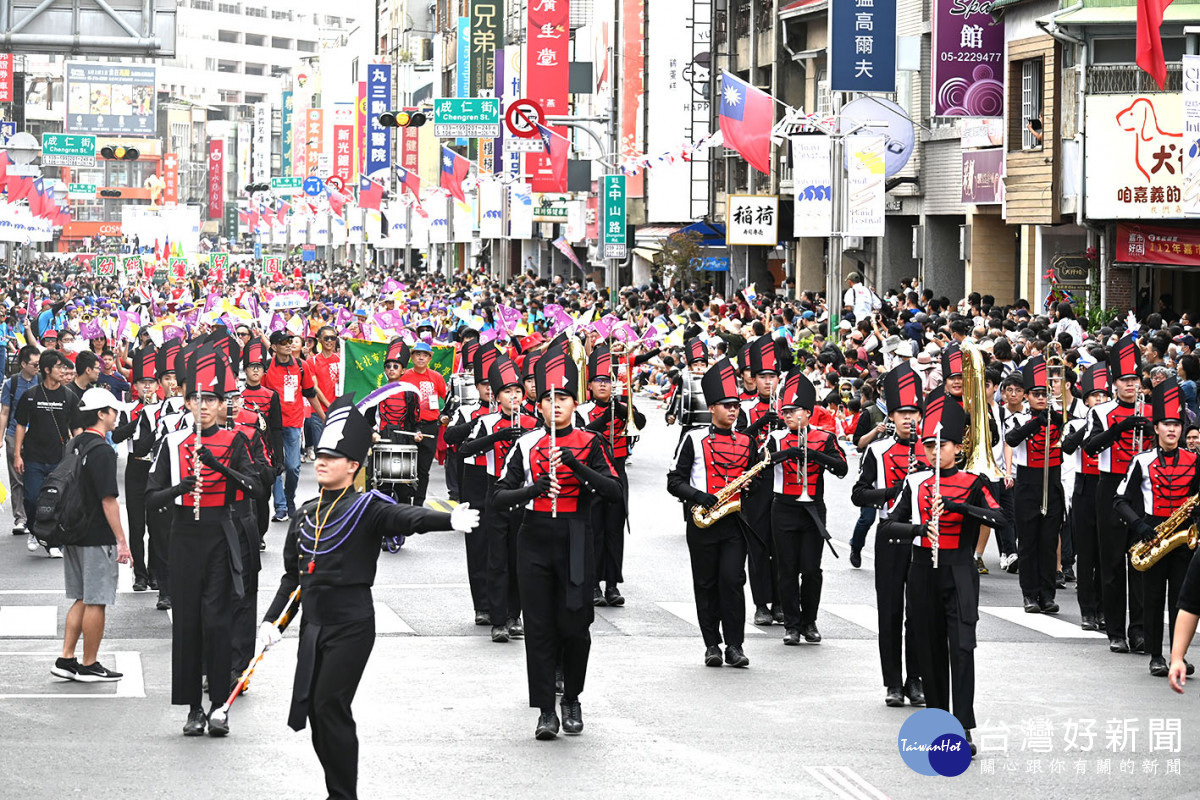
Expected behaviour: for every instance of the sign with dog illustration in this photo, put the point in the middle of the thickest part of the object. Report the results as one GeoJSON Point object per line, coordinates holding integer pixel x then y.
{"type": "Point", "coordinates": [1134, 161]}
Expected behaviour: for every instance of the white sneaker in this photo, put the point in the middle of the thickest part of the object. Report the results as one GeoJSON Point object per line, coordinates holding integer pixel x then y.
{"type": "Point", "coordinates": [56, 552]}
{"type": "Point", "coordinates": [31, 544]}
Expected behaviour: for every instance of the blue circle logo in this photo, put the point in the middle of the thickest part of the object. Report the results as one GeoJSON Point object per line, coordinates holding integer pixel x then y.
{"type": "Point", "coordinates": [933, 742]}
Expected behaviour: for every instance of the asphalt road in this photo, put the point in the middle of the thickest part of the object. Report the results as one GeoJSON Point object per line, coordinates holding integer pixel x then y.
{"type": "Point", "coordinates": [442, 711]}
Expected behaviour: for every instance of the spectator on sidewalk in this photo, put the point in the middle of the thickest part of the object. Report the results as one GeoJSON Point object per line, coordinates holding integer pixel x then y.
{"type": "Point", "coordinates": [14, 387]}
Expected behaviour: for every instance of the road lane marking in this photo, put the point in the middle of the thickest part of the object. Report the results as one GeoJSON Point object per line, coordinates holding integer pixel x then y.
{"type": "Point", "coordinates": [861, 614]}
{"type": "Point", "coordinates": [687, 613]}
{"type": "Point", "coordinates": [1042, 623]}
{"type": "Point", "coordinates": [846, 783]}
{"type": "Point", "coordinates": [388, 621]}
{"type": "Point", "coordinates": [127, 662]}
{"type": "Point", "coordinates": [28, 621]}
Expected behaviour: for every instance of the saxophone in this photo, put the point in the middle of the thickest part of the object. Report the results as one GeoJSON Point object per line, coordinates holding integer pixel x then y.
{"type": "Point", "coordinates": [1169, 534]}
{"type": "Point", "coordinates": [704, 517]}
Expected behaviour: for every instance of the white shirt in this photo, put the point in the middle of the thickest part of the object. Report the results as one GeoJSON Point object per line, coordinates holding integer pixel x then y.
{"type": "Point", "coordinates": [861, 301]}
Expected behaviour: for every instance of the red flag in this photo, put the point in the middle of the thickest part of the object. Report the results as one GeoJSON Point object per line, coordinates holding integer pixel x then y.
{"type": "Point", "coordinates": [1149, 39]}
{"type": "Point", "coordinates": [746, 117]}
{"type": "Point", "coordinates": [370, 194]}
{"type": "Point", "coordinates": [37, 199]}
{"type": "Point", "coordinates": [4, 162]}
{"type": "Point", "coordinates": [409, 180]}
{"type": "Point", "coordinates": [337, 200]}
{"type": "Point", "coordinates": [17, 186]}
{"type": "Point", "coordinates": [454, 171]}
{"type": "Point", "coordinates": [282, 212]}
{"type": "Point", "coordinates": [556, 152]}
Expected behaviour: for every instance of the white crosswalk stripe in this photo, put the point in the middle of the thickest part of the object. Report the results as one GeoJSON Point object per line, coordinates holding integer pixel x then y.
{"type": "Point", "coordinates": [861, 614]}
{"type": "Point", "coordinates": [388, 621]}
{"type": "Point", "coordinates": [28, 621]}
{"type": "Point", "coordinates": [687, 613]}
{"type": "Point", "coordinates": [1042, 623]}
{"type": "Point", "coordinates": [845, 783]}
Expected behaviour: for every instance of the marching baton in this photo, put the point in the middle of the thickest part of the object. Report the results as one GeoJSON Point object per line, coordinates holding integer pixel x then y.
{"type": "Point", "coordinates": [222, 713]}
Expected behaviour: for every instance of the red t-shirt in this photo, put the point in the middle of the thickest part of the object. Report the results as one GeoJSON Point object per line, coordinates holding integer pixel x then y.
{"type": "Point", "coordinates": [325, 369]}
{"type": "Point", "coordinates": [432, 387]}
{"type": "Point", "coordinates": [289, 381]}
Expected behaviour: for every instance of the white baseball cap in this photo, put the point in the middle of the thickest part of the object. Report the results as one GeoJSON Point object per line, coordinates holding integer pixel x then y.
{"type": "Point", "coordinates": [98, 398]}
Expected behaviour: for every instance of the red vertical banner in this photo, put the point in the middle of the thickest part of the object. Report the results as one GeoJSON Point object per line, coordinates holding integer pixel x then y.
{"type": "Point", "coordinates": [360, 132]}
{"type": "Point", "coordinates": [343, 153]}
{"type": "Point", "coordinates": [546, 71]}
{"type": "Point", "coordinates": [632, 91]}
{"type": "Point", "coordinates": [410, 148]}
{"type": "Point", "coordinates": [216, 178]}
{"type": "Point", "coordinates": [6, 78]}
{"type": "Point", "coordinates": [170, 178]}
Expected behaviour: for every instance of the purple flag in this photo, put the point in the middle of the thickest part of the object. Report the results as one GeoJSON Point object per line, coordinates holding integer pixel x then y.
{"type": "Point", "coordinates": [625, 333]}
{"type": "Point", "coordinates": [507, 318]}
{"type": "Point", "coordinates": [213, 301]}
{"type": "Point", "coordinates": [604, 326]}
{"type": "Point", "coordinates": [172, 332]}
{"type": "Point", "coordinates": [91, 330]}
{"type": "Point", "coordinates": [392, 285]}
{"type": "Point", "coordinates": [560, 320]}
{"type": "Point", "coordinates": [344, 317]}
{"type": "Point", "coordinates": [277, 323]}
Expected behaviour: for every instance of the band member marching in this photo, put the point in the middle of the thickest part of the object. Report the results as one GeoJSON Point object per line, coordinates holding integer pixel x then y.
{"type": "Point", "coordinates": [331, 552]}
{"type": "Point", "coordinates": [695, 363]}
{"type": "Point", "coordinates": [800, 456]}
{"type": "Point", "coordinates": [193, 471]}
{"type": "Point", "coordinates": [707, 462]}
{"type": "Point", "coordinates": [265, 402]}
{"type": "Point", "coordinates": [1035, 439]}
{"type": "Point", "coordinates": [397, 414]}
{"type": "Point", "coordinates": [609, 417]}
{"type": "Point", "coordinates": [557, 473]}
{"type": "Point", "coordinates": [146, 572]}
{"type": "Point", "coordinates": [148, 440]}
{"type": "Point", "coordinates": [884, 466]}
{"type": "Point", "coordinates": [1158, 484]}
{"type": "Point", "coordinates": [943, 508]}
{"type": "Point", "coordinates": [1118, 432]}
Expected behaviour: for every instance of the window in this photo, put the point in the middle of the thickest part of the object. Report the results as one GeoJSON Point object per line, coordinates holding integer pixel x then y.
{"type": "Point", "coordinates": [202, 5]}
{"type": "Point", "coordinates": [333, 22]}
{"type": "Point", "coordinates": [233, 37]}
{"type": "Point", "coordinates": [255, 40]}
{"type": "Point", "coordinates": [1123, 50]}
{"type": "Point", "coordinates": [230, 97]}
{"type": "Point", "coordinates": [1031, 102]}
{"type": "Point", "coordinates": [306, 47]}
{"type": "Point", "coordinates": [282, 15]}
{"type": "Point", "coordinates": [256, 12]}
{"type": "Point", "coordinates": [210, 65]}
{"type": "Point", "coordinates": [256, 69]}
{"type": "Point", "coordinates": [229, 8]}
{"type": "Point", "coordinates": [228, 66]}
{"type": "Point", "coordinates": [254, 99]}
{"type": "Point", "coordinates": [281, 44]}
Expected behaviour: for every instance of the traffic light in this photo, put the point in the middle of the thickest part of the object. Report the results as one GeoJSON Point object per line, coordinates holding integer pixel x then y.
{"type": "Point", "coordinates": [251, 188]}
{"type": "Point", "coordinates": [120, 152]}
{"type": "Point", "coordinates": [402, 119]}
{"type": "Point", "coordinates": [110, 192]}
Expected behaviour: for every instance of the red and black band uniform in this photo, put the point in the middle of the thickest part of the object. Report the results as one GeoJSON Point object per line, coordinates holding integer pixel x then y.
{"type": "Point", "coordinates": [144, 445]}
{"type": "Point", "coordinates": [943, 603]}
{"type": "Point", "coordinates": [251, 516]}
{"type": "Point", "coordinates": [1084, 535]}
{"type": "Point", "coordinates": [1157, 484]}
{"type": "Point", "coordinates": [756, 419]}
{"type": "Point", "coordinates": [393, 417]}
{"type": "Point", "coordinates": [883, 467]}
{"type": "Point", "coordinates": [1034, 439]}
{"type": "Point", "coordinates": [798, 516]}
{"type": "Point", "coordinates": [556, 560]}
{"type": "Point", "coordinates": [1112, 439]}
{"type": "Point", "coordinates": [475, 485]}
{"type": "Point", "coordinates": [137, 470]}
{"type": "Point", "coordinates": [706, 461]}
{"type": "Point", "coordinates": [266, 403]}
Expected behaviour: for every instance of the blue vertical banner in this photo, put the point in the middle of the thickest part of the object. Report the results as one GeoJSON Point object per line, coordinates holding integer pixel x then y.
{"type": "Point", "coordinates": [862, 45]}
{"type": "Point", "coordinates": [287, 132]}
{"type": "Point", "coordinates": [378, 159]}
{"type": "Point", "coordinates": [462, 74]}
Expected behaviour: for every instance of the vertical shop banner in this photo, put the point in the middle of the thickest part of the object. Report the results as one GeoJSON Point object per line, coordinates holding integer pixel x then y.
{"type": "Point", "coordinates": [486, 17]}
{"type": "Point", "coordinates": [812, 179]}
{"type": "Point", "coordinates": [261, 155]}
{"type": "Point", "coordinates": [244, 144]}
{"type": "Point", "coordinates": [286, 135]}
{"type": "Point", "coordinates": [360, 132]}
{"type": "Point", "coordinates": [510, 81]}
{"type": "Point", "coordinates": [379, 138]}
{"type": "Point", "coordinates": [462, 65]}
{"type": "Point", "coordinates": [6, 78]}
{"type": "Point", "coordinates": [968, 54]}
{"type": "Point", "coordinates": [343, 142]}
{"type": "Point", "coordinates": [170, 178]}
{"type": "Point", "coordinates": [300, 138]}
{"type": "Point", "coordinates": [216, 178]}
{"type": "Point", "coordinates": [862, 46]}
{"type": "Point", "coordinates": [546, 77]}
{"type": "Point", "coordinates": [632, 91]}
{"type": "Point", "coordinates": [314, 145]}
{"type": "Point", "coordinates": [983, 176]}
{"type": "Point", "coordinates": [865, 187]}
{"type": "Point", "coordinates": [410, 148]}
{"type": "Point", "coordinates": [1191, 136]}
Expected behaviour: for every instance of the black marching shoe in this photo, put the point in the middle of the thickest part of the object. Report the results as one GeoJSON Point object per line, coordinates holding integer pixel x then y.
{"type": "Point", "coordinates": [712, 656]}
{"type": "Point", "coordinates": [894, 697]}
{"type": "Point", "coordinates": [572, 718]}
{"type": "Point", "coordinates": [613, 597]}
{"type": "Point", "coordinates": [153, 582]}
{"type": "Point", "coordinates": [734, 656]}
{"type": "Point", "coordinates": [482, 618]}
{"type": "Point", "coordinates": [763, 616]}
{"type": "Point", "coordinates": [1031, 605]}
{"type": "Point", "coordinates": [547, 727]}
{"type": "Point", "coordinates": [1158, 667]}
{"type": "Point", "coordinates": [1117, 644]}
{"type": "Point", "coordinates": [559, 682]}
{"type": "Point", "coordinates": [970, 742]}
{"type": "Point", "coordinates": [1069, 575]}
{"type": "Point", "coordinates": [598, 598]}
{"type": "Point", "coordinates": [1190, 666]}
{"type": "Point", "coordinates": [811, 634]}
{"type": "Point", "coordinates": [1137, 643]}
{"type": "Point", "coordinates": [856, 557]}
{"type": "Point", "coordinates": [1060, 581]}
{"type": "Point", "coordinates": [1089, 623]}
{"type": "Point", "coordinates": [1100, 621]}
{"type": "Point", "coordinates": [163, 604]}
{"type": "Point", "coordinates": [914, 691]}
{"type": "Point", "coordinates": [499, 633]}
{"type": "Point", "coordinates": [515, 629]}
{"type": "Point", "coordinates": [196, 723]}
{"type": "Point", "coordinates": [140, 584]}
{"type": "Point", "coordinates": [792, 636]}
{"type": "Point", "coordinates": [218, 724]}
{"type": "Point", "coordinates": [1048, 606]}
{"type": "Point", "coordinates": [777, 615]}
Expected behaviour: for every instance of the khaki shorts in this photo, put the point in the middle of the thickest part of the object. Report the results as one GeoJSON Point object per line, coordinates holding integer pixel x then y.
{"type": "Point", "coordinates": [90, 574]}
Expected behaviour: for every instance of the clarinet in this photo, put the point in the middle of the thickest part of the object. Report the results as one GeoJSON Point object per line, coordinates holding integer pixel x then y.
{"type": "Point", "coordinates": [196, 469]}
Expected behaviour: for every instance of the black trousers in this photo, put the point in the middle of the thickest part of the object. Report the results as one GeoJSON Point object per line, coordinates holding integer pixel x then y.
{"type": "Point", "coordinates": [798, 548]}
{"type": "Point", "coordinates": [454, 474]}
{"type": "Point", "coordinates": [554, 633]}
{"type": "Point", "coordinates": [476, 483]}
{"type": "Point", "coordinates": [426, 450]}
{"type": "Point", "coordinates": [608, 525]}
{"type": "Point", "coordinates": [341, 657]}
{"type": "Point", "coordinates": [718, 556]}
{"type": "Point", "coordinates": [1161, 585]}
{"type": "Point", "coordinates": [159, 524]}
{"type": "Point", "coordinates": [245, 620]}
{"type": "Point", "coordinates": [503, 575]}
{"type": "Point", "coordinates": [1115, 571]}
{"type": "Point", "coordinates": [202, 612]}
{"type": "Point", "coordinates": [943, 605]}
{"type": "Point", "coordinates": [756, 510]}
{"type": "Point", "coordinates": [1006, 537]}
{"type": "Point", "coordinates": [1037, 535]}
{"type": "Point", "coordinates": [1087, 543]}
{"type": "Point", "coordinates": [136, 474]}
{"type": "Point", "coordinates": [896, 635]}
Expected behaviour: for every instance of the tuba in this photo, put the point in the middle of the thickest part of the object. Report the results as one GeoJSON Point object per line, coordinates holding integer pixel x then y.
{"type": "Point", "coordinates": [1169, 534]}
{"type": "Point", "coordinates": [977, 450]}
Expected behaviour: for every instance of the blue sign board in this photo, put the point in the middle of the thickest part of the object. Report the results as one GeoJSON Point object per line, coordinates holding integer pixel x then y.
{"type": "Point", "coordinates": [712, 264]}
{"type": "Point", "coordinates": [313, 186]}
{"type": "Point", "coordinates": [258, 251]}
{"type": "Point", "coordinates": [7, 129]}
{"type": "Point", "coordinates": [379, 139]}
{"type": "Point", "coordinates": [862, 46]}
{"type": "Point", "coordinates": [308, 254]}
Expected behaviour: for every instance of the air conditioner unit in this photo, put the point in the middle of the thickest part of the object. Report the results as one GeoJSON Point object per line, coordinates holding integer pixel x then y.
{"type": "Point", "coordinates": [918, 242]}
{"type": "Point", "coordinates": [852, 243]}
{"type": "Point", "coordinates": [964, 242]}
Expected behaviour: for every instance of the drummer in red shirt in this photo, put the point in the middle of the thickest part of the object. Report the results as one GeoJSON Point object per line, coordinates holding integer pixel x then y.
{"type": "Point", "coordinates": [432, 388]}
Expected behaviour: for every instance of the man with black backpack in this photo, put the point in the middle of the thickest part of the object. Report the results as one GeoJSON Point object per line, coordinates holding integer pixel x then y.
{"type": "Point", "coordinates": [92, 540]}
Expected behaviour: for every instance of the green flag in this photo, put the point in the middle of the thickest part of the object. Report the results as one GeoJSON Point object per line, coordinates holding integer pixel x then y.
{"type": "Point", "coordinates": [362, 365]}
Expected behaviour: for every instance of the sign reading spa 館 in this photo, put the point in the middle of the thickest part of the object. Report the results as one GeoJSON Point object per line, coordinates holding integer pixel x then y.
{"type": "Point", "coordinates": [1135, 156]}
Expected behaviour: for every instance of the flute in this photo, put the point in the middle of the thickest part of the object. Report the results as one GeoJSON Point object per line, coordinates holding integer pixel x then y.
{"type": "Point", "coordinates": [553, 448]}
{"type": "Point", "coordinates": [196, 468]}
{"type": "Point", "coordinates": [937, 490]}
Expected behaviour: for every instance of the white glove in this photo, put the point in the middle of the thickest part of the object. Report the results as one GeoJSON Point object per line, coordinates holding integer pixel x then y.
{"type": "Point", "coordinates": [463, 518]}
{"type": "Point", "coordinates": [269, 634]}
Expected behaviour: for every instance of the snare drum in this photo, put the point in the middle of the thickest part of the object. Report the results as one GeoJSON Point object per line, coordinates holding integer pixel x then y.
{"type": "Point", "coordinates": [394, 463]}
{"type": "Point", "coordinates": [463, 390]}
{"type": "Point", "coordinates": [693, 410]}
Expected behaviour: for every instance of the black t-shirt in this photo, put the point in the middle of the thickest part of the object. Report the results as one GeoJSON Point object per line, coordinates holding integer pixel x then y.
{"type": "Point", "coordinates": [46, 414]}
{"type": "Point", "coordinates": [98, 479]}
{"type": "Point", "coordinates": [1189, 592]}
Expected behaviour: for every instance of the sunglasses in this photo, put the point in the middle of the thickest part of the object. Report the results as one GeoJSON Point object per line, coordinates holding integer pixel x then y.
{"type": "Point", "coordinates": [328, 338]}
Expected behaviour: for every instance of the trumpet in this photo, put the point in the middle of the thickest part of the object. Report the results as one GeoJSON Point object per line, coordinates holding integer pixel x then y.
{"type": "Point", "coordinates": [1056, 368]}
{"type": "Point", "coordinates": [1139, 410]}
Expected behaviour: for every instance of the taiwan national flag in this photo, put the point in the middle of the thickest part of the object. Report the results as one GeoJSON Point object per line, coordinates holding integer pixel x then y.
{"type": "Point", "coordinates": [556, 151]}
{"type": "Point", "coordinates": [370, 194]}
{"type": "Point", "coordinates": [454, 171]}
{"type": "Point", "coordinates": [409, 181]}
{"type": "Point", "coordinates": [746, 117]}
